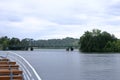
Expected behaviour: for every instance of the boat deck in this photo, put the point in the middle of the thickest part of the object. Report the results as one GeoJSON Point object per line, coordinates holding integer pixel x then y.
{"type": "Point", "coordinates": [9, 70]}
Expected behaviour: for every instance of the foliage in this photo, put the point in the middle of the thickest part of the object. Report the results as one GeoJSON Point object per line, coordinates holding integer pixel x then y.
{"type": "Point", "coordinates": [113, 46]}
{"type": "Point", "coordinates": [4, 42]}
{"type": "Point", "coordinates": [12, 44]}
{"type": "Point", "coordinates": [17, 44]}
{"type": "Point", "coordinates": [96, 41]}
{"type": "Point", "coordinates": [57, 43]}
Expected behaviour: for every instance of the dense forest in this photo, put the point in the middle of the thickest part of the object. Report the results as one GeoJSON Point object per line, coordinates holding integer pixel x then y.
{"type": "Point", "coordinates": [57, 43]}
{"type": "Point", "coordinates": [17, 44]}
{"type": "Point", "coordinates": [98, 41]}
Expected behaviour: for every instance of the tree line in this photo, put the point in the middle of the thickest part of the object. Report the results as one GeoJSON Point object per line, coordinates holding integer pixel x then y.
{"type": "Point", "coordinates": [57, 43]}
{"type": "Point", "coordinates": [13, 43]}
{"type": "Point", "coordinates": [98, 41]}
{"type": "Point", "coordinates": [17, 44]}
{"type": "Point", "coordinates": [90, 41]}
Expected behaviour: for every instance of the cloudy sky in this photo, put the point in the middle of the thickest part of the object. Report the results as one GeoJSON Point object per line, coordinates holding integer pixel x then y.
{"type": "Point", "coordinates": [47, 19]}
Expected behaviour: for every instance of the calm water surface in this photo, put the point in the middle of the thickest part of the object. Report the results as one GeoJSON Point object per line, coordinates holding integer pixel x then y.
{"type": "Point", "coordinates": [57, 64]}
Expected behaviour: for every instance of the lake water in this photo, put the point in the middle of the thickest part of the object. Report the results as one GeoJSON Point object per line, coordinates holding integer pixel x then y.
{"type": "Point", "coordinates": [58, 64]}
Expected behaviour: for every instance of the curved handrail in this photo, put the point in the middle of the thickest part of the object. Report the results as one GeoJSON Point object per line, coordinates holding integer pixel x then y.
{"type": "Point", "coordinates": [27, 63]}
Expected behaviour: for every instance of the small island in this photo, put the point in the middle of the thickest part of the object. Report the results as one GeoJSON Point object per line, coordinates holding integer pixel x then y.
{"type": "Point", "coordinates": [98, 41]}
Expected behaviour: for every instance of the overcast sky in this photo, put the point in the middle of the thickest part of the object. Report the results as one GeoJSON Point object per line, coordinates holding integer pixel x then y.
{"type": "Point", "coordinates": [47, 19]}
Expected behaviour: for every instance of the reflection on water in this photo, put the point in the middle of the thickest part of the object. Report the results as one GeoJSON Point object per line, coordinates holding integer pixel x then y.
{"type": "Point", "coordinates": [58, 64]}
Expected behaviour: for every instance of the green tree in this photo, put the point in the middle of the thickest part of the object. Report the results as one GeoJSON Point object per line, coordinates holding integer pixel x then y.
{"type": "Point", "coordinates": [14, 42]}
{"type": "Point", "coordinates": [112, 46]}
{"type": "Point", "coordinates": [4, 42]}
{"type": "Point", "coordinates": [25, 42]}
{"type": "Point", "coordinates": [95, 41]}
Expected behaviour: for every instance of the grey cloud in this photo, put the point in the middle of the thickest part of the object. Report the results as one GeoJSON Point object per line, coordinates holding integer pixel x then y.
{"type": "Point", "coordinates": [9, 16]}
{"type": "Point", "coordinates": [114, 9]}
{"type": "Point", "coordinates": [68, 21]}
{"type": "Point", "coordinates": [61, 12]}
{"type": "Point", "coordinates": [114, 23]}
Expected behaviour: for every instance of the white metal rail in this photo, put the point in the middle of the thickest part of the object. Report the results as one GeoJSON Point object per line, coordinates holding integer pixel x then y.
{"type": "Point", "coordinates": [29, 73]}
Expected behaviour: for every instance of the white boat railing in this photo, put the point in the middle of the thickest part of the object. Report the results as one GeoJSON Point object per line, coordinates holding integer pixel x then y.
{"type": "Point", "coordinates": [29, 73]}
